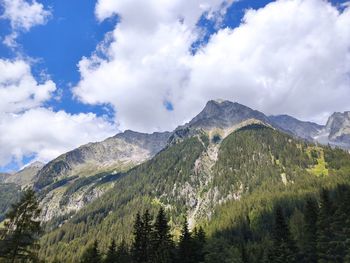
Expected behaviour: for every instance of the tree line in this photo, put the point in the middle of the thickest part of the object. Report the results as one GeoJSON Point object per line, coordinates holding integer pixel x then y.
{"type": "Point", "coordinates": [152, 243]}
{"type": "Point", "coordinates": [317, 233]}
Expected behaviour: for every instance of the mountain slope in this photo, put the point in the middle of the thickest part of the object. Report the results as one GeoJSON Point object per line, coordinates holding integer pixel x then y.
{"type": "Point", "coordinates": [192, 178]}
{"type": "Point", "coordinates": [301, 129]}
{"type": "Point", "coordinates": [26, 176]}
{"type": "Point", "coordinates": [115, 153]}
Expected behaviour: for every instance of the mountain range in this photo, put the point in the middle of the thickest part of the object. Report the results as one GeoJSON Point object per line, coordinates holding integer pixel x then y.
{"type": "Point", "coordinates": [224, 153]}
{"type": "Point", "coordinates": [92, 162]}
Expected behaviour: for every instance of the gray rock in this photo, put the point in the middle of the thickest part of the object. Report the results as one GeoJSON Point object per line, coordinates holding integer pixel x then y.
{"type": "Point", "coordinates": [302, 129]}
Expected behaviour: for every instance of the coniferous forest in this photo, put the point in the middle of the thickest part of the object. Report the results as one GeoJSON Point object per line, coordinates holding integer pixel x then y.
{"type": "Point", "coordinates": [317, 229]}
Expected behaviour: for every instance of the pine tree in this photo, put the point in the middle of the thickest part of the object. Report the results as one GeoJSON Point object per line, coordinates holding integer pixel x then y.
{"type": "Point", "coordinates": [284, 249]}
{"type": "Point", "coordinates": [186, 252]}
{"type": "Point", "coordinates": [199, 240]}
{"type": "Point", "coordinates": [141, 247]}
{"type": "Point", "coordinates": [111, 256]}
{"type": "Point", "coordinates": [91, 254]}
{"type": "Point", "coordinates": [310, 244]}
{"type": "Point", "coordinates": [324, 231]}
{"type": "Point", "coordinates": [18, 240]}
{"type": "Point", "coordinates": [162, 240]}
{"type": "Point", "coordinates": [122, 254]}
{"type": "Point", "coordinates": [340, 224]}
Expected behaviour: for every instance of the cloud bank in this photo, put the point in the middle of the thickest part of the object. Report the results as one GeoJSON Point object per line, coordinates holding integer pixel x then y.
{"type": "Point", "coordinates": [28, 129]}
{"type": "Point", "coordinates": [292, 56]}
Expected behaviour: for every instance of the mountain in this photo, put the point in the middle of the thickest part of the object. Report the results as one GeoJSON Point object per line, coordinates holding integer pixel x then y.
{"type": "Point", "coordinates": [197, 177]}
{"type": "Point", "coordinates": [25, 176]}
{"type": "Point", "coordinates": [229, 162]}
{"type": "Point", "coordinates": [302, 129]}
{"type": "Point", "coordinates": [224, 114]}
{"type": "Point", "coordinates": [338, 127]}
{"type": "Point", "coordinates": [76, 178]}
{"type": "Point", "coordinates": [113, 154]}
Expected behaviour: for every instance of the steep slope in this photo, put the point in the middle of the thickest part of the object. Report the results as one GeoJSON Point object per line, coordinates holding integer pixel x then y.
{"type": "Point", "coordinates": [4, 176]}
{"type": "Point", "coordinates": [302, 129]}
{"type": "Point", "coordinates": [26, 176]}
{"type": "Point", "coordinates": [191, 178]}
{"type": "Point", "coordinates": [338, 129]}
{"type": "Point", "coordinates": [78, 177]}
{"type": "Point", "coordinates": [115, 153]}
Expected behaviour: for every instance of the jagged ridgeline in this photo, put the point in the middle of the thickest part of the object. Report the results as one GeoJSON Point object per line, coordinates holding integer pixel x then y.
{"type": "Point", "coordinates": [213, 177]}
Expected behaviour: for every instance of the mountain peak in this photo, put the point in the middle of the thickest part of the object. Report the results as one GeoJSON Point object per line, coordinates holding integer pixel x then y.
{"type": "Point", "coordinates": [223, 114]}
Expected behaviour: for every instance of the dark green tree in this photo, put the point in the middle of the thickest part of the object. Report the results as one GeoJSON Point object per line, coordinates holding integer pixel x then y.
{"type": "Point", "coordinates": [186, 251]}
{"type": "Point", "coordinates": [162, 244]}
{"type": "Point", "coordinates": [199, 240]}
{"type": "Point", "coordinates": [19, 238]}
{"type": "Point", "coordinates": [310, 231]}
{"type": "Point", "coordinates": [122, 254]}
{"type": "Point", "coordinates": [111, 256]}
{"type": "Point", "coordinates": [142, 246]}
{"type": "Point", "coordinates": [91, 254]}
{"type": "Point", "coordinates": [284, 249]}
{"type": "Point", "coordinates": [324, 231]}
{"type": "Point", "coordinates": [340, 224]}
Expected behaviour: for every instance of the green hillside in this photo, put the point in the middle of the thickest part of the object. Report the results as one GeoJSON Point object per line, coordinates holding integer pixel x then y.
{"type": "Point", "coordinates": [212, 181]}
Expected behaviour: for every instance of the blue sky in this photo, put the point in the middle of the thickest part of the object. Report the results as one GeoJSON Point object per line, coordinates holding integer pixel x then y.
{"type": "Point", "coordinates": [73, 32]}
{"type": "Point", "coordinates": [99, 92]}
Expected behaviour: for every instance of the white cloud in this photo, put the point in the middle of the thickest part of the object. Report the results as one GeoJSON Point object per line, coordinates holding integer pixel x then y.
{"type": "Point", "coordinates": [47, 134]}
{"type": "Point", "coordinates": [19, 90]}
{"type": "Point", "coordinates": [292, 56]}
{"type": "Point", "coordinates": [22, 15]}
{"type": "Point", "coordinates": [29, 129]}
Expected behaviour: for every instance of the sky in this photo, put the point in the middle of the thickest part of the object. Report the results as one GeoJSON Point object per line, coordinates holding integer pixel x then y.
{"type": "Point", "coordinates": [73, 72]}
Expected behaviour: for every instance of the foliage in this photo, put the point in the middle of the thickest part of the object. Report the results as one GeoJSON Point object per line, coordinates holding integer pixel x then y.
{"type": "Point", "coordinates": [18, 239]}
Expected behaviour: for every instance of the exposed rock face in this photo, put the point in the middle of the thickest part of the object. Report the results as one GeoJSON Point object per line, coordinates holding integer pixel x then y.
{"type": "Point", "coordinates": [3, 177]}
{"type": "Point", "coordinates": [338, 127]}
{"type": "Point", "coordinates": [118, 152]}
{"type": "Point", "coordinates": [302, 129]}
{"type": "Point", "coordinates": [224, 114]}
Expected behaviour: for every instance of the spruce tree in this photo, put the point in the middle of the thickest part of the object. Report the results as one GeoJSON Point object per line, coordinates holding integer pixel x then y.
{"type": "Point", "coordinates": [284, 249]}
{"type": "Point", "coordinates": [111, 256]}
{"type": "Point", "coordinates": [142, 246]}
{"type": "Point", "coordinates": [199, 240]}
{"type": "Point", "coordinates": [162, 244]}
{"type": "Point", "coordinates": [310, 244]}
{"type": "Point", "coordinates": [340, 224]}
{"type": "Point", "coordinates": [91, 254]}
{"type": "Point", "coordinates": [186, 252]}
{"type": "Point", "coordinates": [18, 240]}
{"type": "Point", "coordinates": [122, 254]}
{"type": "Point", "coordinates": [324, 231]}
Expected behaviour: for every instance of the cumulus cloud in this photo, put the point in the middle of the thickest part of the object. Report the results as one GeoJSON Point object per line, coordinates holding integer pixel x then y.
{"type": "Point", "coordinates": [29, 129]}
{"type": "Point", "coordinates": [292, 56]}
{"type": "Point", "coordinates": [19, 90]}
{"type": "Point", "coordinates": [22, 15]}
{"type": "Point", "coordinates": [45, 134]}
